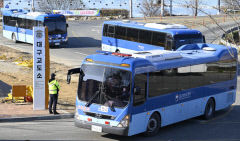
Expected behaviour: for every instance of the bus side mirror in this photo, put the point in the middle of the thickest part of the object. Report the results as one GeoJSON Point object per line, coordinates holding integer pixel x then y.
{"type": "Point", "coordinates": [67, 25]}
{"type": "Point", "coordinates": [68, 78]}
{"type": "Point", "coordinates": [73, 71]}
{"type": "Point", "coordinates": [204, 39]}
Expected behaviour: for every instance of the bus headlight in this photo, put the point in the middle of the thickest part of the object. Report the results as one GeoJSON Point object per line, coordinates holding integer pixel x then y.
{"type": "Point", "coordinates": [124, 122]}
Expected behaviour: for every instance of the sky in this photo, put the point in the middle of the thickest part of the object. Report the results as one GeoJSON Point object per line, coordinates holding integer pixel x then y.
{"type": "Point", "coordinates": [123, 4]}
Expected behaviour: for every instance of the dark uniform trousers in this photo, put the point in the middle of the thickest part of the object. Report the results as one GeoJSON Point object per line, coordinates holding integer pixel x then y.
{"type": "Point", "coordinates": [53, 102]}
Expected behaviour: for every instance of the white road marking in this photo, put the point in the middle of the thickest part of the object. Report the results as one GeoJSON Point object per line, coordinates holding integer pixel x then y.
{"type": "Point", "coordinates": [96, 30]}
{"type": "Point", "coordinates": [81, 53]}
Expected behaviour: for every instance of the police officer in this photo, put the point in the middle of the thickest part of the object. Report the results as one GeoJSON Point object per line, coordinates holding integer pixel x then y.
{"type": "Point", "coordinates": [53, 92]}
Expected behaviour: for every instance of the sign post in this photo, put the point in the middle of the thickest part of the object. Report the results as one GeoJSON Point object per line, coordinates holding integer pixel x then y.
{"type": "Point", "coordinates": [39, 68]}
{"type": "Point", "coordinates": [47, 67]}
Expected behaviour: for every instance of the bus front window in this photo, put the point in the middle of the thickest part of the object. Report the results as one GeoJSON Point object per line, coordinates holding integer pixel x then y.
{"type": "Point", "coordinates": [56, 26]}
{"type": "Point", "coordinates": [105, 86]}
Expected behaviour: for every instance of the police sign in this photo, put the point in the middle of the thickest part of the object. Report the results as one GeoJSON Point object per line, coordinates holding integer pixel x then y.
{"type": "Point", "coordinates": [39, 68]}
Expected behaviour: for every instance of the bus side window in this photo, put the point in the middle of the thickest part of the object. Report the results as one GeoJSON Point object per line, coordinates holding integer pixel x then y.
{"type": "Point", "coordinates": [121, 32]}
{"type": "Point", "coordinates": [145, 36]}
{"type": "Point", "coordinates": [140, 86]}
{"type": "Point", "coordinates": [111, 31]}
{"type": "Point", "coordinates": [38, 23]}
{"type": "Point", "coordinates": [159, 39]}
{"type": "Point", "coordinates": [105, 29]}
{"type": "Point", "coordinates": [132, 34]}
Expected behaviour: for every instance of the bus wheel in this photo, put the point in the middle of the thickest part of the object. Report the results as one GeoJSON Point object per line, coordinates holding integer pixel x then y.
{"type": "Point", "coordinates": [14, 39]}
{"type": "Point", "coordinates": [153, 125]}
{"type": "Point", "coordinates": [209, 109]}
{"type": "Point", "coordinates": [117, 51]}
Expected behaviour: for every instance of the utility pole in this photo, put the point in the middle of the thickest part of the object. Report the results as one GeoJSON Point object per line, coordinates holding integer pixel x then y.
{"type": "Point", "coordinates": [130, 8]}
{"type": "Point", "coordinates": [219, 6]}
{"type": "Point", "coordinates": [196, 8]}
{"type": "Point", "coordinates": [171, 7]}
{"type": "Point", "coordinates": [33, 6]}
{"type": "Point", "coordinates": [162, 8]}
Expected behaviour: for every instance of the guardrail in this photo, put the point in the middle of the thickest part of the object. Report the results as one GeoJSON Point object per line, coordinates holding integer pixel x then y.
{"type": "Point", "coordinates": [225, 42]}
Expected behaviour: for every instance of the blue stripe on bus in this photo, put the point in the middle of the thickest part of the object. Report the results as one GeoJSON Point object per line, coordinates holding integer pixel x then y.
{"type": "Point", "coordinates": [20, 30]}
{"type": "Point", "coordinates": [170, 99]}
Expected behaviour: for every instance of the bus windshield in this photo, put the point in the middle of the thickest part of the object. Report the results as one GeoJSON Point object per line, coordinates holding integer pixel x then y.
{"type": "Point", "coordinates": [187, 39]}
{"type": "Point", "coordinates": [56, 26]}
{"type": "Point", "coordinates": [104, 85]}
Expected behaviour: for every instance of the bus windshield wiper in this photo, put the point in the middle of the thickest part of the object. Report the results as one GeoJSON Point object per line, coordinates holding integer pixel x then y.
{"type": "Point", "coordinates": [91, 99]}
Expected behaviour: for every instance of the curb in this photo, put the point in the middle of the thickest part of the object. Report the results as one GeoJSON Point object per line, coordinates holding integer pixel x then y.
{"type": "Point", "coordinates": [22, 119]}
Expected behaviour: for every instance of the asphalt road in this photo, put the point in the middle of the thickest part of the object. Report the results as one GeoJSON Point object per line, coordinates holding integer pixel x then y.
{"type": "Point", "coordinates": [224, 127]}
{"type": "Point", "coordinates": [84, 39]}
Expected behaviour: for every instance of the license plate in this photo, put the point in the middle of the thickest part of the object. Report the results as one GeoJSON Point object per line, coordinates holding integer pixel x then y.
{"type": "Point", "coordinates": [57, 44]}
{"type": "Point", "coordinates": [96, 128]}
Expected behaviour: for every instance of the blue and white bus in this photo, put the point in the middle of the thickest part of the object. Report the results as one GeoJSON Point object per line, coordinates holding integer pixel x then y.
{"type": "Point", "coordinates": [130, 94]}
{"type": "Point", "coordinates": [127, 37]}
{"type": "Point", "coordinates": [18, 26]}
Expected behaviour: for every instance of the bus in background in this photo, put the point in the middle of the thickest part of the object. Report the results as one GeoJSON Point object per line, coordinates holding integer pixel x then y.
{"type": "Point", "coordinates": [129, 94]}
{"type": "Point", "coordinates": [18, 26]}
{"type": "Point", "coordinates": [126, 36]}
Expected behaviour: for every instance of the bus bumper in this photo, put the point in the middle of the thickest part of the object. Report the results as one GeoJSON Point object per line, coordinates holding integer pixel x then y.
{"type": "Point", "coordinates": [105, 128]}
{"type": "Point", "coordinates": [58, 43]}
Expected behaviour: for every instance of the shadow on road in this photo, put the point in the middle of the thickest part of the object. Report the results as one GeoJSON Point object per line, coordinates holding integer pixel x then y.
{"type": "Point", "coordinates": [224, 126]}
{"type": "Point", "coordinates": [83, 42]}
{"type": "Point", "coordinates": [4, 89]}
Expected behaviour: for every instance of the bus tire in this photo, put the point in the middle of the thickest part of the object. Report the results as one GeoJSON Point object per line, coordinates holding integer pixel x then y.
{"type": "Point", "coordinates": [14, 39]}
{"type": "Point", "coordinates": [153, 125]}
{"type": "Point", "coordinates": [209, 109]}
{"type": "Point", "coordinates": [117, 51]}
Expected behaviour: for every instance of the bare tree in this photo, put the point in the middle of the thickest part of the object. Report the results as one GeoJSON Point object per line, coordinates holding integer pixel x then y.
{"type": "Point", "coordinates": [194, 5]}
{"type": "Point", "coordinates": [231, 5]}
{"type": "Point", "coordinates": [151, 8]}
{"type": "Point", "coordinates": [230, 37]}
{"type": "Point", "coordinates": [49, 5]}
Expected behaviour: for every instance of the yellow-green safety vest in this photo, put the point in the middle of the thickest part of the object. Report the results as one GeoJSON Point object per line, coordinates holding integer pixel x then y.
{"type": "Point", "coordinates": [53, 87]}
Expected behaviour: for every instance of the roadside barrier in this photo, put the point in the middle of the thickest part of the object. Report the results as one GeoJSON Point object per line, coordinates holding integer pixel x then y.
{"type": "Point", "coordinates": [20, 93]}
{"type": "Point", "coordinates": [225, 42]}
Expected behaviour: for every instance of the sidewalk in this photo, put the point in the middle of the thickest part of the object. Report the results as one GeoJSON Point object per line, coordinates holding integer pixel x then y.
{"type": "Point", "coordinates": [17, 112]}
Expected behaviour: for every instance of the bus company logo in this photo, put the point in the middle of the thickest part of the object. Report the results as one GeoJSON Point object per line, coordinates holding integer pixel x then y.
{"type": "Point", "coordinates": [183, 96]}
{"type": "Point", "coordinates": [177, 98]}
{"type": "Point", "coordinates": [39, 34]}
{"type": "Point", "coordinates": [141, 47]}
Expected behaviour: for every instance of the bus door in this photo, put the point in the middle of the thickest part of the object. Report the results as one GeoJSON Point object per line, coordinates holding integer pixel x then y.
{"type": "Point", "coordinates": [21, 29]}
{"type": "Point", "coordinates": [138, 120]}
{"type": "Point", "coordinates": [13, 23]}
{"type": "Point", "coordinates": [111, 33]}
